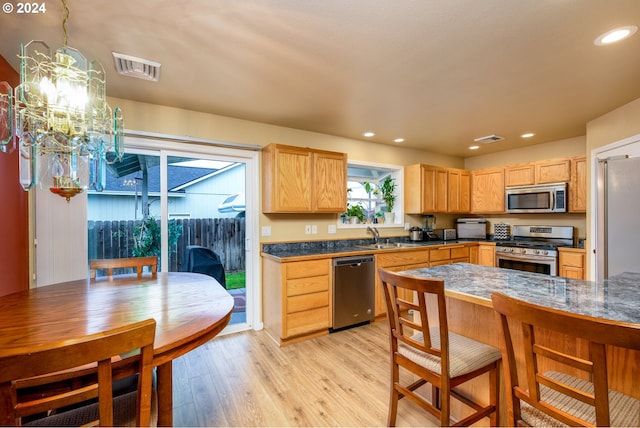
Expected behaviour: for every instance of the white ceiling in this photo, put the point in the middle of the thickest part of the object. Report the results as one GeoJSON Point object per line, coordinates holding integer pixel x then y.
{"type": "Point", "coordinates": [438, 73]}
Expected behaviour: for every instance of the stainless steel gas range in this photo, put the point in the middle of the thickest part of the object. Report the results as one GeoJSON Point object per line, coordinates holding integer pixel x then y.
{"type": "Point", "coordinates": [534, 248]}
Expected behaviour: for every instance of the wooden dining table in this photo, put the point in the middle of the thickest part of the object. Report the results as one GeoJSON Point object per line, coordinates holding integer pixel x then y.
{"type": "Point", "coordinates": [189, 309]}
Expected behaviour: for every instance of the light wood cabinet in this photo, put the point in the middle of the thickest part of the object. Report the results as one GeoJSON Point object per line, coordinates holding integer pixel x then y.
{"type": "Point", "coordinates": [553, 171]}
{"type": "Point", "coordinates": [459, 188]}
{"type": "Point", "coordinates": [300, 180]}
{"type": "Point", "coordinates": [487, 254]}
{"type": "Point", "coordinates": [296, 298]}
{"type": "Point", "coordinates": [425, 189]}
{"type": "Point", "coordinates": [330, 182]}
{"type": "Point", "coordinates": [520, 175]}
{"type": "Point", "coordinates": [487, 190]}
{"type": "Point", "coordinates": [572, 262]}
{"type": "Point", "coordinates": [432, 189]}
{"type": "Point", "coordinates": [578, 185]}
{"type": "Point", "coordinates": [452, 253]}
{"type": "Point", "coordinates": [540, 172]}
{"type": "Point", "coordinates": [484, 254]}
{"type": "Point", "coordinates": [397, 261]}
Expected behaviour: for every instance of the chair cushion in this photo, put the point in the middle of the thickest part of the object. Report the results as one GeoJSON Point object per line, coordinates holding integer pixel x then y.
{"type": "Point", "coordinates": [124, 411]}
{"type": "Point", "coordinates": [624, 410]}
{"type": "Point", "coordinates": [465, 355]}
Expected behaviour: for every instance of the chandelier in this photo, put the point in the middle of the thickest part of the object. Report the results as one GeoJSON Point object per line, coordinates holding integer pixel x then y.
{"type": "Point", "coordinates": [65, 130]}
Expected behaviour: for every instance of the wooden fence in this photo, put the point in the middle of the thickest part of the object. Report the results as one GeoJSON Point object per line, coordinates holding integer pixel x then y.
{"type": "Point", "coordinates": [225, 236]}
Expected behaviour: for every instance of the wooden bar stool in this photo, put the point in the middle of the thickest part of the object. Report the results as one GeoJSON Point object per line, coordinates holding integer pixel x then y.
{"type": "Point", "coordinates": [433, 353]}
{"type": "Point", "coordinates": [575, 391]}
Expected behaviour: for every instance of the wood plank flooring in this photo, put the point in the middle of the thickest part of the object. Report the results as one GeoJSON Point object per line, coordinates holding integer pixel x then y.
{"type": "Point", "coordinates": [245, 379]}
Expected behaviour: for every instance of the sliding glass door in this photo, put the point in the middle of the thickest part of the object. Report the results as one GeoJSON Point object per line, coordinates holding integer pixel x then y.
{"type": "Point", "coordinates": [192, 209]}
{"type": "Point", "coordinates": [206, 221]}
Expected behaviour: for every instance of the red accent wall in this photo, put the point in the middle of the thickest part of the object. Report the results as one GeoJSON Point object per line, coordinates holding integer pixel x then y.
{"type": "Point", "coordinates": [14, 214]}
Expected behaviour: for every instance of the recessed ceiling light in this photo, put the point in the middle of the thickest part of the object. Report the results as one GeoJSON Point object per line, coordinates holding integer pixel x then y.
{"type": "Point", "coordinates": [369, 134]}
{"type": "Point", "coordinates": [615, 35]}
{"type": "Point", "coordinates": [528, 135]}
{"type": "Point", "coordinates": [474, 147]}
{"type": "Point", "coordinates": [399, 140]}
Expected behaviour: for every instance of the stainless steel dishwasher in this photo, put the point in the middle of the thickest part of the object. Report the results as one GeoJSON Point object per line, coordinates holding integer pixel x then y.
{"type": "Point", "coordinates": [353, 291]}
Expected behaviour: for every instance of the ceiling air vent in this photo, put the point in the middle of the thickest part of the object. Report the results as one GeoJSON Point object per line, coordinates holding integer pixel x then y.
{"type": "Point", "coordinates": [136, 67]}
{"type": "Point", "coordinates": [489, 139]}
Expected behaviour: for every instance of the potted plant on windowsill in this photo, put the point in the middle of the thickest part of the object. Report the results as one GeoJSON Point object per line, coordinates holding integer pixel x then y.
{"type": "Point", "coordinates": [355, 212]}
{"type": "Point", "coordinates": [386, 190]}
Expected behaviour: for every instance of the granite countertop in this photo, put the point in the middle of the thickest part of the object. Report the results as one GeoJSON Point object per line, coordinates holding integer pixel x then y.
{"type": "Point", "coordinates": [616, 298]}
{"type": "Point", "coordinates": [341, 247]}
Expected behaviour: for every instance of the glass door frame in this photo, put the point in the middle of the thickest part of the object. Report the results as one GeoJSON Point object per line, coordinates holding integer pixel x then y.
{"type": "Point", "coordinates": [153, 144]}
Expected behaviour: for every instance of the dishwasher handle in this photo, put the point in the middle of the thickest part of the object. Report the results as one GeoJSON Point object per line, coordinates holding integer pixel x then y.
{"type": "Point", "coordinates": [354, 261]}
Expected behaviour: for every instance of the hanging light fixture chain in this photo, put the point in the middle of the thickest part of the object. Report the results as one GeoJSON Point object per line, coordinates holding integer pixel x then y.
{"type": "Point", "coordinates": [65, 18]}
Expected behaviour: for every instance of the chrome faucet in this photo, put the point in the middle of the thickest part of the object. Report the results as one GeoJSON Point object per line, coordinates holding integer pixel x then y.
{"type": "Point", "coordinates": [376, 234]}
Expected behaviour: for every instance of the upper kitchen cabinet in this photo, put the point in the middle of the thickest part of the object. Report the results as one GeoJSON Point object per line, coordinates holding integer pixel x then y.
{"type": "Point", "coordinates": [425, 189]}
{"type": "Point", "coordinates": [553, 171]}
{"type": "Point", "coordinates": [459, 188]}
{"type": "Point", "coordinates": [578, 185]}
{"type": "Point", "coordinates": [487, 190]}
{"type": "Point", "coordinates": [541, 172]}
{"type": "Point", "coordinates": [330, 182]}
{"type": "Point", "coordinates": [520, 175]}
{"type": "Point", "coordinates": [302, 180]}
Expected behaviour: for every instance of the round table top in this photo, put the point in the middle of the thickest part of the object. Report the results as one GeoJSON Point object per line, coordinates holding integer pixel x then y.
{"type": "Point", "coordinates": [189, 308]}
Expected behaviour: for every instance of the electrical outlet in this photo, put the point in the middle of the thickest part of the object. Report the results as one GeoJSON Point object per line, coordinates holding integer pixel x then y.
{"type": "Point", "coordinates": [266, 230]}
{"type": "Point", "coordinates": [407, 226]}
{"type": "Point", "coordinates": [307, 229]}
{"type": "Point", "coordinates": [314, 229]}
{"type": "Point", "coordinates": [331, 228]}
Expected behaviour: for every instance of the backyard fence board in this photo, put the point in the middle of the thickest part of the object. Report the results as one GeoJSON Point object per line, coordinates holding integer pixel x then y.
{"type": "Point", "coordinates": [225, 236]}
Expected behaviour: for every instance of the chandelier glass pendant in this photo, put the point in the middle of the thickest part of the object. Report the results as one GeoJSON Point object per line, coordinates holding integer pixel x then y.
{"type": "Point", "coordinates": [65, 130]}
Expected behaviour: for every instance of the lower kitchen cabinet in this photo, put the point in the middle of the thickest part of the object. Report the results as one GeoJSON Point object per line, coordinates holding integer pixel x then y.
{"type": "Point", "coordinates": [484, 254]}
{"type": "Point", "coordinates": [451, 253]}
{"type": "Point", "coordinates": [572, 262]}
{"type": "Point", "coordinates": [296, 298]}
{"type": "Point", "coordinates": [397, 261]}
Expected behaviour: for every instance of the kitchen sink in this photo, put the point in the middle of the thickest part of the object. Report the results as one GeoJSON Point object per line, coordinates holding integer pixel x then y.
{"type": "Point", "coordinates": [389, 245]}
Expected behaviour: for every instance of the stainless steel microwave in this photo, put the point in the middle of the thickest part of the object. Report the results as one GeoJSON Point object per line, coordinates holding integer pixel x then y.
{"type": "Point", "coordinates": [542, 198]}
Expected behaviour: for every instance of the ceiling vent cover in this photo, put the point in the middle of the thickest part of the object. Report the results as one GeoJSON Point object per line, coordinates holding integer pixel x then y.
{"type": "Point", "coordinates": [136, 67]}
{"type": "Point", "coordinates": [489, 139]}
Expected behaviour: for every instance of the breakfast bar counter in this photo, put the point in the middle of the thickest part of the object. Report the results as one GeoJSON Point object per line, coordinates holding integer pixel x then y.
{"type": "Point", "coordinates": [616, 298]}
{"type": "Point", "coordinates": [468, 291]}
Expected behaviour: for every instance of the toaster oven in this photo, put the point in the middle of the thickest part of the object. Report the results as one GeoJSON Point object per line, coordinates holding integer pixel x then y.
{"type": "Point", "coordinates": [446, 234]}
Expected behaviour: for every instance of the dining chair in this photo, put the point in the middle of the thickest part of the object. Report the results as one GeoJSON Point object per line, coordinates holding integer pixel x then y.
{"type": "Point", "coordinates": [432, 353]}
{"type": "Point", "coordinates": [138, 263]}
{"type": "Point", "coordinates": [575, 391]}
{"type": "Point", "coordinates": [102, 351]}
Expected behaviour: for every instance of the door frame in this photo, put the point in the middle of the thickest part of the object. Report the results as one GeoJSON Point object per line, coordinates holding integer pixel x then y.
{"type": "Point", "coordinates": [168, 145]}
{"type": "Point", "coordinates": [627, 146]}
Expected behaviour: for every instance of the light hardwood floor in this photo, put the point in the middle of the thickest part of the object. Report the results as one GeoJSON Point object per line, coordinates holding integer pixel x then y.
{"type": "Point", "coordinates": [245, 379]}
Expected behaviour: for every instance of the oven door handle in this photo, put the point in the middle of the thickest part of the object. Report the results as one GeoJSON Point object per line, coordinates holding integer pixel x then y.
{"type": "Point", "coordinates": [516, 257]}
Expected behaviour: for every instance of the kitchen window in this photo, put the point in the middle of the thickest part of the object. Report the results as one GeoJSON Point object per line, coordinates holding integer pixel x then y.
{"type": "Point", "coordinates": [363, 182]}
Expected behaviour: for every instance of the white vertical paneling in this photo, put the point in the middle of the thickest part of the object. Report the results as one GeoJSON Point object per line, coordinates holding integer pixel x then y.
{"type": "Point", "coordinates": [61, 234]}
